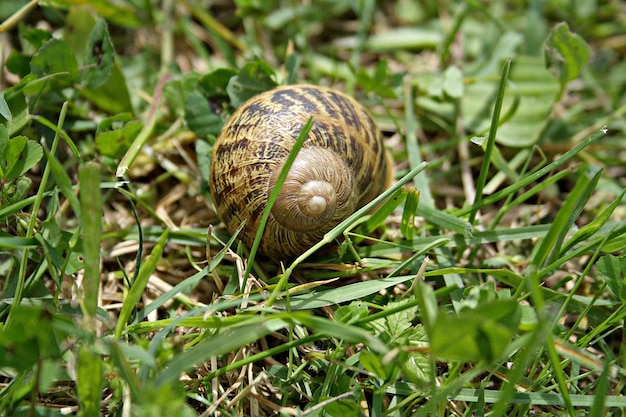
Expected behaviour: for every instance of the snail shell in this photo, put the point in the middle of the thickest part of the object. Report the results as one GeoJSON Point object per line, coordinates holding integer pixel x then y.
{"type": "Point", "coordinates": [342, 166]}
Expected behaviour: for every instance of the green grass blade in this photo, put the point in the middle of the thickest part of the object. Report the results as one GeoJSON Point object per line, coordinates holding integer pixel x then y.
{"type": "Point", "coordinates": [383, 212]}
{"type": "Point", "coordinates": [550, 246]}
{"type": "Point", "coordinates": [407, 224]}
{"type": "Point", "coordinates": [491, 139]}
{"type": "Point", "coordinates": [342, 227]}
{"type": "Point", "coordinates": [343, 331]}
{"type": "Point", "coordinates": [538, 399]}
{"type": "Point", "coordinates": [302, 136]}
{"type": "Point", "coordinates": [339, 295]}
{"type": "Point", "coordinates": [91, 223]}
{"type": "Point", "coordinates": [230, 340]}
{"type": "Point", "coordinates": [143, 136]}
{"type": "Point", "coordinates": [188, 284]}
{"type": "Point", "coordinates": [413, 147]}
{"type": "Point", "coordinates": [30, 230]}
{"type": "Point", "coordinates": [89, 381]}
{"type": "Point", "coordinates": [595, 225]}
{"type": "Point", "coordinates": [529, 179]}
{"type": "Point", "coordinates": [138, 286]}
{"type": "Point", "coordinates": [445, 220]}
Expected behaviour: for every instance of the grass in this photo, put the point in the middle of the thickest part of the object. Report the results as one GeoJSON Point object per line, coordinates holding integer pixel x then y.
{"type": "Point", "coordinates": [488, 280]}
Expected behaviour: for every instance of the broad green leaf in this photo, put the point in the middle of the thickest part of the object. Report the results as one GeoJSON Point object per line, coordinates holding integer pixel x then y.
{"type": "Point", "coordinates": [349, 333]}
{"type": "Point", "coordinates": [356, 310]}
{"type": "Point", "coordinates": [479, 295]}
{"type": "Point", "coordinates": [382, 82]}
{"type": "Point", "coordinates": [79, 24]}
{"type": "Point", "coordinates": [254, 78]}
{"type": "Point", "coordinates": [489, 64]}
{"type": "Point", "coordinates": [374, 364]}
{"type": "Point", "coordinates": [100, 57]}
{"type": "Point", "coordinates": [115, 143]}
{"type": "Point", "coordinates": [528, 320]}
{"type": "Point", "coordinates": [14, 191]}
{"type": "Point", "coordinates": [18, 64]}
{"type": "Point", "coordinates": [123, 14]}
{"type": "Point", "coordinates": [17, 155]}
{"type": "Point", "coordinates": [203, 153]}
{"type": "Point", "coordinates": [4, 141]}
{"type": "Point", "coordinates": [56, 246]}
{"type": "Point", "coordinates": [53, 242]}
{"type": "Point", "coordinates": [114, 122]}
{"type": "Point", "coordinates": [532, 85]}
{"type": "Point", "coordinates": [112, 96]}
{"type": "Point", "coordinates": [420, 364]}
{"type": "Point", "coordinates": [32, 335]}
{"type": "Point", "coordinates": [566, 53]}
{"type": "Point", "coordinates": [177, 91]}
{"type": "Point", "coordinates": [11, 156]}
{"type": "Point", "coordinates": [613, 270]}
{"type": "Point", "coordinates": [36, 37]}
{"type": "Point", "coordinates": [149, 397]}
{"type": "Point", "coordinates": [200, 118]}
{"type": "Point", "coordinates": [396, 324]}
{"type": "Point", "coordinates": [56, 58]}
{"type": "Point", "coordinates": [477, 334]}
{"type": "Point", "coordinates": [342, 408]}
{"type": "Point", "coordinates": [214, 83]}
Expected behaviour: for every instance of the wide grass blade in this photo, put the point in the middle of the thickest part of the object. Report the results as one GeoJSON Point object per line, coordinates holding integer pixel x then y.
{"type": "Point", "coordinates": [550, 246]}
{"type": "Point", "coordinates": [407, 224]}
{"type": "Point", "coordinates": [342, 227]}
{"type": "Point", "coordinates": [595, 225]}
{"type": "Point", "coordinates": [89, 381]}
{"type": "Point", "coordinates": [91, 222]}
{"type": "Point", "coordinates": [538, 398]}
{"type": "Point", "coordinates": [339, 295]}
{"type": "Point", "coordinates": [229, 340]}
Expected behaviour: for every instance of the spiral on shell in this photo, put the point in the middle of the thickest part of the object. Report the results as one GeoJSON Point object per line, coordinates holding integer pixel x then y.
{"type": "Point", "coordinates": [342, 166]}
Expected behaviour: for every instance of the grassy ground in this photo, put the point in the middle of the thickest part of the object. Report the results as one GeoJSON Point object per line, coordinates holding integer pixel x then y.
{"type": "Point", "coordinates": [488, 281]}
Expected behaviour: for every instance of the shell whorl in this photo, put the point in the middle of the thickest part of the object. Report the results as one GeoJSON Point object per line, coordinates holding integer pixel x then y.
{"type": "Point", "coordinates": [317, 192]}
{"type": "Point", "coordinates": [341, 166]}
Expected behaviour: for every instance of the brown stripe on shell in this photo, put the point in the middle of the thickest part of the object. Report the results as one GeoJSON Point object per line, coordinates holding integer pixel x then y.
{"type": "Point", "coordinates": [255, 141]}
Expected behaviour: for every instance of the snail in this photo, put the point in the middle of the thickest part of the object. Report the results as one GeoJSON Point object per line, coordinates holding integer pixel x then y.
{"type": "Point", "coordinates": [342, 166]}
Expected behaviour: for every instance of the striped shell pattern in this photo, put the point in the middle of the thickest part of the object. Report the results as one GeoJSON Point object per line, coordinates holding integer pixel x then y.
{"type": "Point", "coordinates": [342, 166]}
